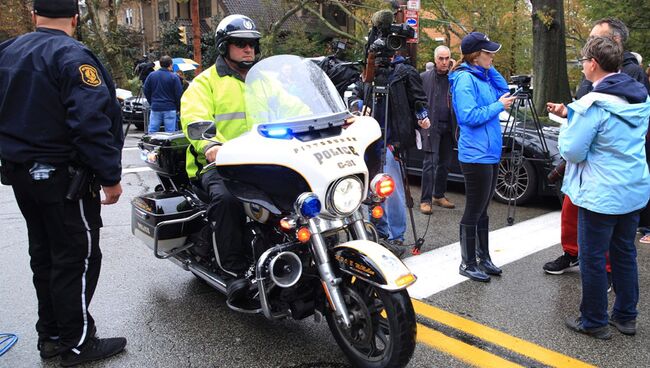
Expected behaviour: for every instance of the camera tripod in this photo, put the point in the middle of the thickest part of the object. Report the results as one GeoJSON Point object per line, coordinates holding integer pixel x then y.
{"type": "Point", "coordinates": [516, 133]}
{"type": "Point", "coordinates": [381, 94]}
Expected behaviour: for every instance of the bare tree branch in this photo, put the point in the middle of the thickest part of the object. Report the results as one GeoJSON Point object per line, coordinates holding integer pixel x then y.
{"type": "Point", "coordinates": [333, 28]}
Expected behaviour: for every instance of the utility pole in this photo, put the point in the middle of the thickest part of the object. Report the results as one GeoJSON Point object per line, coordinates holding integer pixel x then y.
{"type": "Point", "coordinates": [408, 12]}
{"type": "Point", "coordinates": [196, 33]}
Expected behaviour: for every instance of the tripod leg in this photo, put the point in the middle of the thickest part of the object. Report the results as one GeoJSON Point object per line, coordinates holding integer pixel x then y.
{"type": "Point", "coordinates": [409, 204]}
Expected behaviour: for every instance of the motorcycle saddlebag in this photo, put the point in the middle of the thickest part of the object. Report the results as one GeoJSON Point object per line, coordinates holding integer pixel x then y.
{"type": "Point", "coordinates": [149, 210]}
{"type": "Point", "coordinates": [164, 152]}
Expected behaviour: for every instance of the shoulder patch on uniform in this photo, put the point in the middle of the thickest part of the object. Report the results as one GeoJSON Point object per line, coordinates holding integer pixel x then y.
{"type": "Point", "coordinates": [89, 75]}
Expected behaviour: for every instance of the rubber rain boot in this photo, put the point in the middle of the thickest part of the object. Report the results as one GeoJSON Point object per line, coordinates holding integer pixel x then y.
{"type": "Point", "coordinates": [483, 249]}
{"type": "Point", "coordinates": [468, 267]}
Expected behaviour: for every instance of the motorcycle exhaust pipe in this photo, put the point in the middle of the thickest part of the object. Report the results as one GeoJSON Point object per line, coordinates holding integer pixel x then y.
{"type": "Point", "coordinates": [285, 269]}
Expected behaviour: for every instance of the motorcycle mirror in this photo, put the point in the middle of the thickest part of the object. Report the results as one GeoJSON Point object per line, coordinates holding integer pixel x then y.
{"type": "Point", "coordinates": [201, 130]}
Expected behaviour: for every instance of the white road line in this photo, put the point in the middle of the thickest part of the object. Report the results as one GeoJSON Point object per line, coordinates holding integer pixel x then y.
{"type": "Point", "coordinates": [131, 149]}
{"type": "Point", "coordinates": [437, 269]}
{"type": "Point", "coordinates": [135, 169]}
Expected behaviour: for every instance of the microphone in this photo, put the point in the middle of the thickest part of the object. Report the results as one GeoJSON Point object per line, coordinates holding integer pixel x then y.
{"type": "Point", "coordinates": [382, 19]}
{"type": "Point", "coordinates": [421, 111]}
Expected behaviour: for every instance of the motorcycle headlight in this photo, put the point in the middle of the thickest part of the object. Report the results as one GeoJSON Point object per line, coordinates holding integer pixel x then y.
{"type": "Point", "coordinates": [345, 195]}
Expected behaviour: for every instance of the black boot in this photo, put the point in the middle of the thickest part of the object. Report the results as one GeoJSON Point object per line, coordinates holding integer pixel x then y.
{"type": "Point", "coordinates": [483, 249]}
{"type": "Point", "coordinates": [468, 267]}
{"type": "Point", "coordinates": [239, 298]}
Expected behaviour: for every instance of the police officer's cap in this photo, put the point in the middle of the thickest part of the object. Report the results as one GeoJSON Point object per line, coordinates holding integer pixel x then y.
{"type": "Point", "coordinates": [56, 8]}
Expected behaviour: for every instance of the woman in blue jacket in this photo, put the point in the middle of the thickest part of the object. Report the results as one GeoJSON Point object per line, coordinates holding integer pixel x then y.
{"type": "Point", "coordinates": [479, 94]}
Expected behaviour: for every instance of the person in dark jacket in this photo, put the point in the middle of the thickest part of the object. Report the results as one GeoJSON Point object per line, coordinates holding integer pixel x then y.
{"type": "Point", "coordinates": [61, 122]}
{"type": "Point", "coordinates": [479, 94]}
{"type": "Point", "coordinates": [437, 141]}
{"type": "Point", "coordinates": [163, 90]}
{"type": "Point", "coordinates": [406, 96]}
{"type": "Point", "coordinates": [569, 224]}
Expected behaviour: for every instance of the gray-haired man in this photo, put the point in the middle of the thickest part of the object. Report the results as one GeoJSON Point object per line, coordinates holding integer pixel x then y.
{"type": "Point", "coordinates": [437, 139]}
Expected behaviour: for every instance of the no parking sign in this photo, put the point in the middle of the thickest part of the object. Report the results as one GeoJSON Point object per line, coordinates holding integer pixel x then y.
{"type": "Point", "coordinates": [412, 18]}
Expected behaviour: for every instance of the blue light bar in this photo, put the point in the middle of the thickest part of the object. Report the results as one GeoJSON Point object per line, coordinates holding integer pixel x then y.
{"type": "Point", "coordinates": [278, 132]}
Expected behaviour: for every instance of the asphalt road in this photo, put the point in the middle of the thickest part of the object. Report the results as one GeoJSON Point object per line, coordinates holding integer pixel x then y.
{"type": "Point", "coordinates": [172, 319]}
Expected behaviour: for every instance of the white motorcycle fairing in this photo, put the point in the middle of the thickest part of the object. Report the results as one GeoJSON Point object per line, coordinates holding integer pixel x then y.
{"type": "Point", "coordinates": [373, 263]}
{"type": "Point", "coordinates": [252, 157]}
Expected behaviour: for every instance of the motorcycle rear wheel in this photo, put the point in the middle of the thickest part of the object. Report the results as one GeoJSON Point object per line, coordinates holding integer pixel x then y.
{"type": "Point", "coordinates": [383, 326]}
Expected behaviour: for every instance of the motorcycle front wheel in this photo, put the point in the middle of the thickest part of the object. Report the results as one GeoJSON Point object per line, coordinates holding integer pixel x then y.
{"type": "Point", "coordinates": [383, 327]}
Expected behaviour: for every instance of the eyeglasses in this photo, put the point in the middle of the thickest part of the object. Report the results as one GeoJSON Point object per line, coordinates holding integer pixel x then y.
{"type": "Point", "coordinates": [582, 60]}
{"type": "Point", "coordinates": [243, 42]}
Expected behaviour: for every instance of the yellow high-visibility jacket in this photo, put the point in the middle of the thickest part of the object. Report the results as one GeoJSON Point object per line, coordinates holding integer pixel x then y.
{"type": "Point", "coordinates": [218, 98]}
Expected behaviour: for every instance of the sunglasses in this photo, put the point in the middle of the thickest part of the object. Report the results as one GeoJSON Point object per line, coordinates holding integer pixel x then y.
{"type": "Point", "coordinates": [243, 42]}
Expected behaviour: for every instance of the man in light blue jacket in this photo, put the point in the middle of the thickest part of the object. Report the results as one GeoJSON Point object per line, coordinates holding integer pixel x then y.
{"type": "Point", "coordinates": [607, 178]}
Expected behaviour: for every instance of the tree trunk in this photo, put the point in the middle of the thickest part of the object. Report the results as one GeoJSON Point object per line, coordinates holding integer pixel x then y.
{"type": "Point", "coordinates": [551, 82]}
{"type": "Point", "coordinates": [196, 33]}
{"type": "Point", "coordinates": [15, 19]}
{"type": "Point", "coordinates": [514, 43]}
{"type": "Point", "coordinates": [111, 51]}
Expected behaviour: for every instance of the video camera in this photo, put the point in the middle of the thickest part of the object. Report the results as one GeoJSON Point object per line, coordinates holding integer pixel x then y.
{"type": "Point", "coordinates": [387, 37]}
{"type": "Point", "coordinates": [522, 81]}
{"type": "Point", "coordinates": [391, 39]}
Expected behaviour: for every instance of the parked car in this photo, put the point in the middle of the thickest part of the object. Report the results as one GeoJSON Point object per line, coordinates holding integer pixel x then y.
{"type": "Point", "coordinates": [523, 184]}
{"type": "Point", "coordinates": [134, 109]}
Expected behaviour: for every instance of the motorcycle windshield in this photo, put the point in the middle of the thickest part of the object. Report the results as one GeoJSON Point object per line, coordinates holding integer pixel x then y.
{"type": "Point", "coordinates": [294, 92]}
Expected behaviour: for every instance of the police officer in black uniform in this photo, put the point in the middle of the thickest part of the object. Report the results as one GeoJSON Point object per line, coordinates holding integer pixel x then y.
{"type": "Point", "coordinates": [60, 142]}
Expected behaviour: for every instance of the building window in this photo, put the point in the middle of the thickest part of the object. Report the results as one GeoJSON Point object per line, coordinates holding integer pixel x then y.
{"type": "Point", "coordinates": [205, 9]}
{"type": "Point", "coordinates": [129, 16]}
{"type": "Point", "coordinates": [163, 11]}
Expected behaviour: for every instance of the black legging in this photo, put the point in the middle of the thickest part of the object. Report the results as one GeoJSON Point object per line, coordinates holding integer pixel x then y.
{"type": "Point", "coordinates": [480, 181]}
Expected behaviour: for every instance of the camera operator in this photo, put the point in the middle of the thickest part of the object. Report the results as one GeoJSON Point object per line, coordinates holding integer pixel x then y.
{"type": "Point", "coordinates": [405, 93]}
{"type": "Point", "coordinates": [479, 94]}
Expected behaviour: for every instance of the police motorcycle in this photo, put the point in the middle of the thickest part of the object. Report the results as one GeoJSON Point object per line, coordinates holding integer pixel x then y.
{"type": "Point", "coordinates": [301, 176]}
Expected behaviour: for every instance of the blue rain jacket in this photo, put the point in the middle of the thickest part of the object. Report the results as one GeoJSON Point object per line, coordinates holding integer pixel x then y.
{"type": "Point", "coordinates": [603, 143]}
{"type": "Point", "coordinates": [475, 94]}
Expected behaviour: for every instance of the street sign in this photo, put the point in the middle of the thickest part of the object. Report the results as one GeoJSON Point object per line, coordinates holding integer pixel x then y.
{"type": "Point", "coordinates": [413, 5]}
{"type": "Point", "coordinates": [412, 18]}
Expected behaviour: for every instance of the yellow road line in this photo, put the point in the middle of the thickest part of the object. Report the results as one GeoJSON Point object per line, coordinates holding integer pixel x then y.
{"type": "Point", "coordinates": [523, 347]}
{"type": "Point", "coordinates": [463, 351]}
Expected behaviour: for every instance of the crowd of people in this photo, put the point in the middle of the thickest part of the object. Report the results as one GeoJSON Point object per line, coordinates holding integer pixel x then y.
{"type": "Point", "coordinates": [606, 183]}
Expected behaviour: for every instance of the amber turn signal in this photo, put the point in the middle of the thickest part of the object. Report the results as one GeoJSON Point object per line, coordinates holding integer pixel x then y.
{"type": "Point", "coordinates": [304, 235]}
{"type": "Point", "coordinates": [377, 212]}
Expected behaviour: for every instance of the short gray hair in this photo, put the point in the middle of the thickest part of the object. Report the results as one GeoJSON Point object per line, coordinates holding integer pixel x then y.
{"type": "Point", "coordinates": [429, 66]}
{"type": "Point", "coordinates": [618, 28]}
{"type": "Point", "coordinates": [440, 48]}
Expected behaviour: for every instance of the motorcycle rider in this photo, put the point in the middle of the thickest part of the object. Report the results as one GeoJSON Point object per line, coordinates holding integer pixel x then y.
{"type": "Point", "coordinates": [217, 94]}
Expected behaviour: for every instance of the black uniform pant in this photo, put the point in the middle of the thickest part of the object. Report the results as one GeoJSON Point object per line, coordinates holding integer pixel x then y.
{"type": "Point", "coordinates": [435, 166]}
{"type": "Point", "coordinates": [480, 181]}
{"type": "Point", "coordinates": [227, 216]}
{"type": "Point", "coordinates": [64, 249]}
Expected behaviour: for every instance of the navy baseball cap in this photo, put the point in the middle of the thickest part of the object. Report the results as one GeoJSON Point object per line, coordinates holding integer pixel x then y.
{"type": "Point", "coordinates": [477, 41]}
{"type": "Point", "coordinates": [56, 8]}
